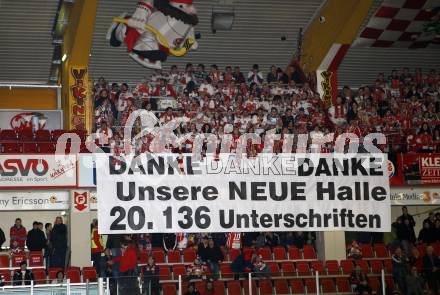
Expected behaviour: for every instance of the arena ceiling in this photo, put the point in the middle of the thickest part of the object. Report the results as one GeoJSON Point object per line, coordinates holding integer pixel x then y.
{"type": "Point", "coordinates": [26, 43]}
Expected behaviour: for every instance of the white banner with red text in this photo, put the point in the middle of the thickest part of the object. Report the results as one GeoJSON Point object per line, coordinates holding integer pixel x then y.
{"type": "Point", "coordinates": [292, 192]}
{"type": "Point", "coordinates": [37, 171]}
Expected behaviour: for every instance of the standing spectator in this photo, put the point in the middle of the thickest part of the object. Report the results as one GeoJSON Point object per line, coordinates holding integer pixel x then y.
{"type": "Point", "coordinates": [2, 238]}
{"type": "Point", "coordinates": [203, 248]}
{"type": "Point", "coordinates": [411, 222]}
{"type": "Point", "coordinates": [97, 246]}
{"type": "Point", "coordinates": [241, 265]}
{"type": "Point", "coordinates": [427, 234]}
{"type": "Point", "coordinates": [127, 269]}
{"type": "Point", "coordinates": [151, 277]}
{"type": "Point", "coordinates": [48, 248]}
{"type": "Point", "coordinates": [17, 235]}
{"type": "Point", "coordinates": [104, 134]}
{"type": "Point", "coordinates": [58, 239]}
{"type": "Point", "coordinates": [23, 276]}
{"type": "Point", "coordinates": [400, 265]}
{"type": "Point", "coordinates": [431, 265]}
{"type": "Point", "coordinates": [36, 241]}
{"type": "Point", "coordinates": [114, 245]}
{"type": "Point", "coordinates": [214, 257]}
{"type": "Point", "coordinates": [272, 76]}
{"type": "Point", "coordinates": [359, 281]}
{"type": "Point", "coordinates": [415, 284]}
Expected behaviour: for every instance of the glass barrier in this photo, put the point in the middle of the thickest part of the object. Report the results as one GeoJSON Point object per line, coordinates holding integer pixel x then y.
{"type": "Point", "coordinates": [52, 289]}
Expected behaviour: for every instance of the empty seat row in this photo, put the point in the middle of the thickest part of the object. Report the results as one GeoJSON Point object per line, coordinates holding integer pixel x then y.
{"type": "Point", "coordinates": [75, 274]}
{"type": "Point", "coordinates": [39, 135]}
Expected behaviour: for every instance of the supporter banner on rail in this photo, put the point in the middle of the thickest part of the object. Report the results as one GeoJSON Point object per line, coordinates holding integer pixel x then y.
{"type": "Point", "coordinates": [39, 171]}
{"type": "Point", "coordinates": [415, 196]}
{"type": "Point", "coordinates": [33, 200]}
{"type": "Point", "coordinates": [295, 192]}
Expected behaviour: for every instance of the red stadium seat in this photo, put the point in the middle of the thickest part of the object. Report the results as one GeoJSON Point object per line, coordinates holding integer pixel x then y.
{"type": "Point", "coordinates": [279, 253]}
{"type": "Point", "coordinates": [200, 286]}
{"type": "Point", "coordinates": [347, 266]}
{"type": "Point", "coordinates": [57, 133]}
{"type": "Point", "coordinates": [8, 135]}
{"type": "Point", "coordinates": [36, 260]}
{"type": "Point", "coordinates": [11, 148]}
{"type": "Point", "coordinates": [389, 282]}
{"type": "Point", "coordinates": [343, 285]}
{"type": "Point", "coordinates": [6, 275]}
{"type": "Point", "coordinates": [294, 253]}
{"type": "Point", "coordinates": [367, 251]}
{"type": "Point", "coordinates": [40, 276]}
{"type": "Point", "coordinates": [179, 269]}
{"type": "Point", "coordinates": [274, 269]}
{"type": "Point", "coordinates": [309, 252]}
{"type": "Point", "coordinates": [302, 267]}
{"type": "Point", "coordinates": [74, 275]}
{"type": "Point", "coordinates": [4, 261]}
{"type": "Point", "coordinates": [288, 268]}
{"type": "Point", "coordinates": [332, 267]}
{"type": "Point", "coordinates": [42, 135]}
{"type": "Point", "coordinates": [30, 148]}
{"type": "Point", "coordinates": [219, 288]}
{"type": "Point", "coordinates": [143, 257]}
{"type": "Point", "coordinates": [233, 253]}
{"type": "Point", "coordinates": [234, 287]}
{"type": "Point", "coordinates": [46, 147]}
{"type": "Point", "coordinates": [225, 269]}
{"type": "Point", "coordinates": [53, 273]}
{"type": "Point", "coordinates": [16, 259]}
{"type": "Point", "coordinates": [310, 285]}
{"type": "Point", "coordinates": [246, 287]}
{"type": "Point", "coordinates": [316, 265]}
{"type": "Point", "coordinates": [159, 256]}
{"type": "Point", "coordinates": [374, 284]}
{"type": "Point", "coordinates": [164, 272]}
{"type": "Point", "coordinates": [388, 265]}
{"type": "Point", "coordinates": [364, 265]}
{"type": "Point", "coordinates": [26, 136]}
{"type": "Point", "coordinates": [281, 287]}
{"type": "Point", "coordinates": [328, 286]}
{"type": "Point", "coordinates": [265, 253]}
{"type": "Point", "coordinates": [376, 266]}
{"type": "Point", "coordinates": [381, 251]}
{"type": "Point", "coordinates": [169, 289]}
{"type": "Point", "coordinates": [89, 274]}
{"type": "Point", "coordinates": [189, 255]}
{"type": "Point", "coordinates": [297, 286]}
{"type": "Point", "coordinates": [173, 256]}
{"type": "Point", "coordinates": [266, 287]}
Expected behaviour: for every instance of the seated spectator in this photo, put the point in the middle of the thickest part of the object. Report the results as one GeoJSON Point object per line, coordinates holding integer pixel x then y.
{"type": "Point", "coordinates": [359, 281]}
{"type": "Point", "coordinates": [59, 278]}
{"type": "Point", "coordinates": [415, 259]}
{"type": "Point", "coordinates": [415, 283]}
{"type": "Point", "coordinates": [2, 238]}
{"type": "Point", "coordinates": [192, 290]}
{"type": "Point", "coordinates": [17, 236]}
{"type": "Point", "coordinates": [255, 76]}
{"type": "Point", "coordinates": [354, 251]}
{"type": "Point", "coordinates": [36, 241]}
{"type": "Point", "coordinates": [431, 266]}
{"type": "Point", "coordinates": [259, 268]}
{"type": "Point", "coordinates": [209, 288]}
{"type": "Point", "coordinates": [241, 265]}
{"type": "Point", "coordinates": [197, 270]}
{"type": "Point", "coordinates": [23, 276]}
{"type": "Point", "coordinates": [151, 278]}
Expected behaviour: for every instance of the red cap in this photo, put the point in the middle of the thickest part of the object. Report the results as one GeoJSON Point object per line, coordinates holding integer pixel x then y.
{"type": "Point", "coordinates": [189, 2]}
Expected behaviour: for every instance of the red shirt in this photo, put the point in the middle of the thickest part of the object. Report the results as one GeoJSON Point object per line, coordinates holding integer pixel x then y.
{"type": "Point", "coordinates": [128, 260]}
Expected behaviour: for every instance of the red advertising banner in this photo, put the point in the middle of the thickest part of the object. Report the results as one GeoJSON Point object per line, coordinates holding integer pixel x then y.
{"type": "Point", "coordinates": [414, 169]}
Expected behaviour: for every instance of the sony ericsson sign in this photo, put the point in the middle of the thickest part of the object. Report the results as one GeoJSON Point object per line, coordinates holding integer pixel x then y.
{"type": "Point", "coordinates": [295, 192]}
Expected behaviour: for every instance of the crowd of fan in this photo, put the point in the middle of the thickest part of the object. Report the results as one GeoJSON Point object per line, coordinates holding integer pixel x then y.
{"type": "Point", "coordinates": [404, 106]}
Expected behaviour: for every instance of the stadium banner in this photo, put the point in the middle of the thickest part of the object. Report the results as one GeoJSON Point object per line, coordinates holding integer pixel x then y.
{"type": "Point", "coordinates": [33, 200]}
{"type": "Point", "coordinates": [31, 119]}
{"type": "Point", "coordinates": [79, 98]}
{"type": "Point", "coordinates": [421, 169]}
{"type": "Point", "coordinates": [37, 171]}
{"type": "Point", "coordinates": [408, 196]}
{"type": "Point", "coordinates": [286, 192]}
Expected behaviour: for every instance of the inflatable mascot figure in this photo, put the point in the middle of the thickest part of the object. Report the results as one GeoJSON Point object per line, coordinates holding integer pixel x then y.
{"type": "Point", "coordinates": [156, 29]}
